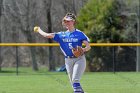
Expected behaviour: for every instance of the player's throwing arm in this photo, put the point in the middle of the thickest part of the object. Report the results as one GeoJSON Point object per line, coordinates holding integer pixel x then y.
{"type": "Point", "coordinates": [37, 29]}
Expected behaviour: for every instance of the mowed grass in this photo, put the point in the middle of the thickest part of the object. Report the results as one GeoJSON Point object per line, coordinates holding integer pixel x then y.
{"type": "Point", "coordinates": [58, 82]}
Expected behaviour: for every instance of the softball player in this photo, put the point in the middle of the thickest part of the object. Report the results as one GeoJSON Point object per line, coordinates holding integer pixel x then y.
{"type": "Point", "coordinates": [71, 39]}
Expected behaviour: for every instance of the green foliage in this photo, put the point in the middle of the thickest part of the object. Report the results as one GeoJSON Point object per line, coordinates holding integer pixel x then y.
{"type": "Point", "coordinates": [97, 19]}
{"type": "Point", "coordinates": [102, 22]}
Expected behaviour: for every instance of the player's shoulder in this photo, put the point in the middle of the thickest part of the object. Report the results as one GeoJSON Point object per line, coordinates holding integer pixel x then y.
{"type": "Point", "coordinates": [60, 32]}
{"type": "Point", "coordinates": [78, 31]}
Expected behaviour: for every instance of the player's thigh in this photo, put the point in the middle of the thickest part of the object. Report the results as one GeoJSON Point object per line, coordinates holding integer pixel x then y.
{"type": "Point", "coordinates": [69, 66]}
{"type": "Point", "coordinates": [79, 68]}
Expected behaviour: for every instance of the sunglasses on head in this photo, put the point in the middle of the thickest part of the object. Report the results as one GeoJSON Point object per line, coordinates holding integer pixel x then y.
{"type": "Point", "coordinates": [70, 15]}
{"type": "Point", "coordinates": [66, 21]}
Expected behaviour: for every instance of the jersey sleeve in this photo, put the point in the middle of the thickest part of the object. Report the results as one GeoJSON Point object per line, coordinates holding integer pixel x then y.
{"type": "Point", "coordinates": [84, 37]}
{"type": "Point", "coordinates": [56, 37]}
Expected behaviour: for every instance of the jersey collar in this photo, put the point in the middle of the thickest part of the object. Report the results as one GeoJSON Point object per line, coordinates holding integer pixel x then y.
{"type": "Point", "coordinates": [71, 31]}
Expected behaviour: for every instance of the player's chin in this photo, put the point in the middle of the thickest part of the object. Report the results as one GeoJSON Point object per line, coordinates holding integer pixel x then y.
{"type": "Point", "coordinates": [66, 27]}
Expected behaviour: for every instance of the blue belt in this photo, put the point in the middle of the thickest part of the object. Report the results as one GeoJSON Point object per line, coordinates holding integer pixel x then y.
{"type": "Point", "coordinates": [70, 57]}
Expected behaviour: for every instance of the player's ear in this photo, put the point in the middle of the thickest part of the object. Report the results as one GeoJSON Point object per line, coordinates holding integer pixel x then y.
{"type": "Point", "coordinates": [75, 22]}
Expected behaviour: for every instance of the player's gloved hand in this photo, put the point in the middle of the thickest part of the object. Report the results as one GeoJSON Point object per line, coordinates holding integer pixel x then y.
{"type": "Point", "coordinates": [78, 51]}
{"type": "Point", "coordinates": [36, 29]}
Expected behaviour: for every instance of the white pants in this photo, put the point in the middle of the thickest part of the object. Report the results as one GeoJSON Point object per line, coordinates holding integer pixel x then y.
{"type": "Point", "coordinates": [75, 68]}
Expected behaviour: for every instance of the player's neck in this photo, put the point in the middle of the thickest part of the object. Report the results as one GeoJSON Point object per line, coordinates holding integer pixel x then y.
{"type": "Point", "coordinates": [71, 29]}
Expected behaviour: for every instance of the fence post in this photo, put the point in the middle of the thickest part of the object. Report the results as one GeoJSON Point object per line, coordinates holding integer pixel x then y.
{"type": "Point", "coordinates": [114, 60]}
{"type": "Point", "coordinates": [138, 39]}
{"type": "Point", "coordinates": [17, 65]}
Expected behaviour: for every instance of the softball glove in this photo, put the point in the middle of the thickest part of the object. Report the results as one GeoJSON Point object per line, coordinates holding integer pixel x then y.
{"type": "Point", "coordinates": [78, 51]}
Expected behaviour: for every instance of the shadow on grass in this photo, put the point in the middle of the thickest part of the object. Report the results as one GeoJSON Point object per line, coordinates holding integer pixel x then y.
{"type": "Point", "coordinates": [6, 71]}
{"type": "Point", "coordinates": [11, 72]}
{"type": "Point", "coordinates": [28, 71]}
{"type": "Point", "coordinates": [22, 72]}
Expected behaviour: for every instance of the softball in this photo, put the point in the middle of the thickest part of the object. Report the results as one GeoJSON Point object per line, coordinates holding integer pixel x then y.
{"type": "Point", "coordinates": [36, 28]}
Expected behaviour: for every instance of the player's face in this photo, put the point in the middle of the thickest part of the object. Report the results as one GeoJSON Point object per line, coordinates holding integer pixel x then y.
{"type": "Point", "coordinates": [69, 24]}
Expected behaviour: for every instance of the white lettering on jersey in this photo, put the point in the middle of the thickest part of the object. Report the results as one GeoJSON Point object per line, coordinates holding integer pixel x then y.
{"type": "Point", "coordinates": [70, 40]}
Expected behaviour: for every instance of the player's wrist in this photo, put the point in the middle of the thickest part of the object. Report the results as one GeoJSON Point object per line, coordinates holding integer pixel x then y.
{"type": "Point", "coordinates": [84, 49]}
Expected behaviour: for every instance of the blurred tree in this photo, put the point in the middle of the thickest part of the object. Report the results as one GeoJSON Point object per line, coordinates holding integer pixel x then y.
{"type": "Point", "coordinates": [20, 21]}
{"type": "Point", "coordinates": [1, 4]}
{"type": "Point", "coordinates": [49, 23]}
{"type": "Point", "coordinates": [29, 36]}
{"type": "Point", "coordinates": [102, 21]}
{"type": "Point", "coordinates": [92, 20]}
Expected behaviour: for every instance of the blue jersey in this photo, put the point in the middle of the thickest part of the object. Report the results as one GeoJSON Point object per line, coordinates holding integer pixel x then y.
{"type": "Point", "coordinates": [69, 40]}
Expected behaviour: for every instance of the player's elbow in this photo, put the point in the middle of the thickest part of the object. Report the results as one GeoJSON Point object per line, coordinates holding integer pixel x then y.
{"type": "Point", "coordinates": [49, 36]}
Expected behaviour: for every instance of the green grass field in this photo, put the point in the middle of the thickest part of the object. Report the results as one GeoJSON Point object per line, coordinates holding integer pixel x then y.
{"type": "Point", "coordinates": [57, 82]}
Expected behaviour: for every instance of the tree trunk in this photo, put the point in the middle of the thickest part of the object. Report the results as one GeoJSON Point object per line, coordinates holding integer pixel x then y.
{"type": "Point", "coordinates": [73, 5]}
{"type": "Point", "coordinates": [1, 4]}
{"type": "Point", "coordinates": [49, 22]}
{"type": "Point", "coordinates": [30, 39]}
